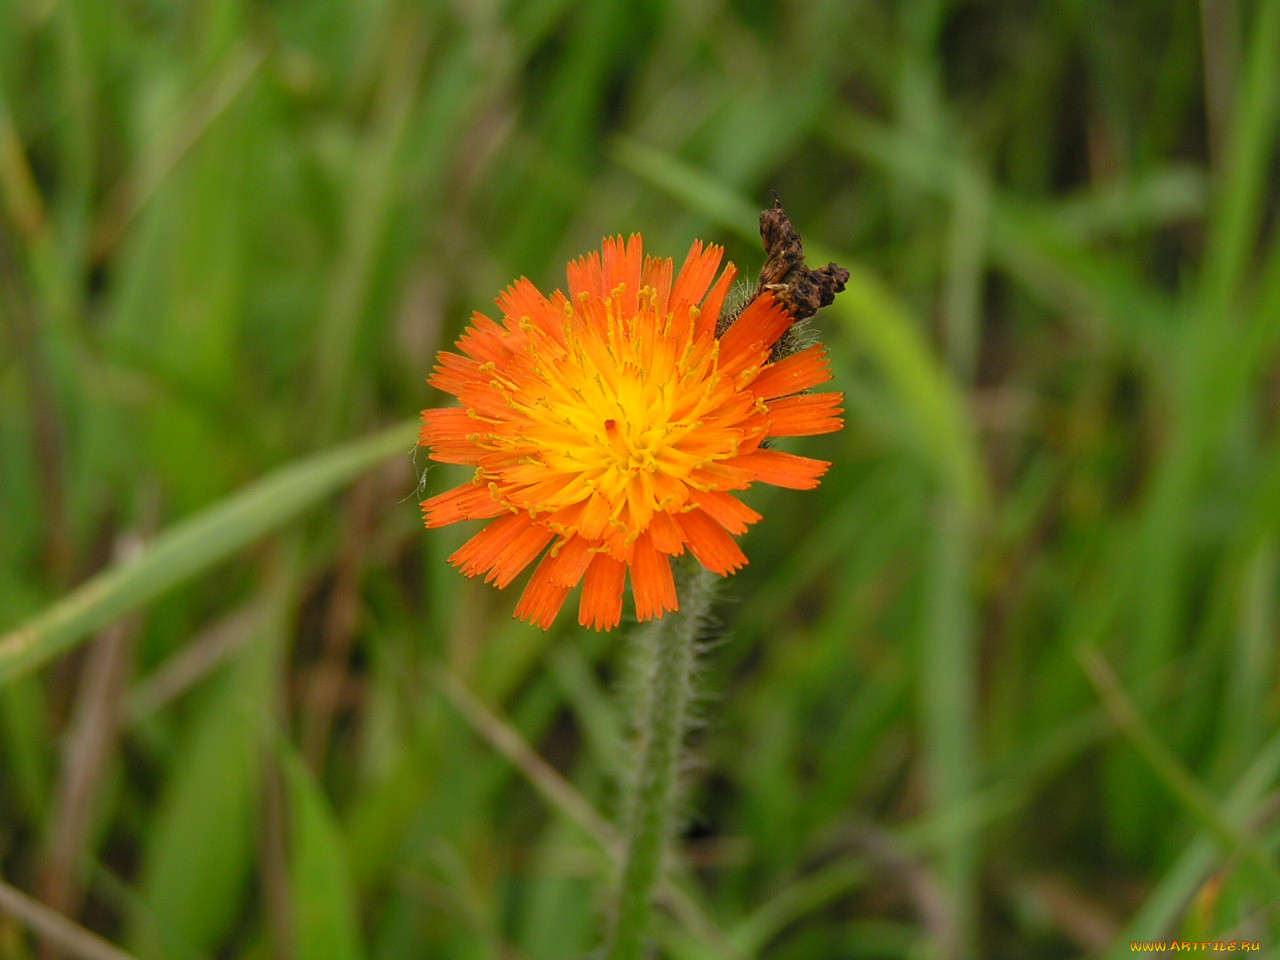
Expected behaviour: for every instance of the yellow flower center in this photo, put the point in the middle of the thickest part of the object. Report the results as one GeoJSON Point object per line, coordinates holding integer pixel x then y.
{"type": "Point", "coordinates": [612, 414]}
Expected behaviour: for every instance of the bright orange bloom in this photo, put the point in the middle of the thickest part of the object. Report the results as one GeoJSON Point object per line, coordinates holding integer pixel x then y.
{"type": "Point", "coordinates": [608, 427]}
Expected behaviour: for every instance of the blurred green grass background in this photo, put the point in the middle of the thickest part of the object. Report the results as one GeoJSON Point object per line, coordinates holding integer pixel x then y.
{"type": "Point", "coordinates": [1003, 687]}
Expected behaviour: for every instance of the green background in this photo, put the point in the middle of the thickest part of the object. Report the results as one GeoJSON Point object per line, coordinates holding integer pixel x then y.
{"type": "Point", "coordinates": [1005, 686]}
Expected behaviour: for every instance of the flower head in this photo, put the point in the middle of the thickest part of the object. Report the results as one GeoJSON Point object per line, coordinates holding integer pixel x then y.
{"type": "Point", "coordinates": [610, 427]}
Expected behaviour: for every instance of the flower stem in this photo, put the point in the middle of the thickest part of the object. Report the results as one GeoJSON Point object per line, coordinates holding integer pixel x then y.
{"type": "Point", "coordinates": [666, 654]}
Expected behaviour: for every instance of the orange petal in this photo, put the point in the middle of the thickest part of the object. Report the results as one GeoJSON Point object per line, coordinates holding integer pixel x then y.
{"type": "Point", "coordinates": [657, 274]}
{"type": "Point", "coordinates": [484, 340]}
{"type": "Point", "coordinates": [682, 322]}
{"type": "Point", "coordinates": [651, 581]}
{"type": "Point", "coordinates": [639, 500]}
{"type": "Point", "coordinates": [710, 543]}
{"type": "Point", "coordinates": [756, 329]}
{"type": "Point", "coordinates": [446, 423]}
{"type": "Point", "coordinates": [570, 562]}
{"type": "Point", "coordinates": [805, 414]}
{"type": "Point", "coordinates": [480, 552]}
{"type": "Point", "coordinates": [446, 431]}
{"type": "Point", "coordinates": [558, 301]}
{"type": "Point", "coordinates": [488, 398]}
{"type": "Point", "coordinates": [623, 265]}
{"type": "Point", "coordinates": [800, 371]}
{"type": "Point", "coordinates": [714, 303]}
{"type": "Point", "coordinates": [595, 517]}
{"type": "Point", "coordinates": [585, 276]}
{"type": "Point", "coordinates": [723, 475]}
{"type": "Point", "coordinates": [521, 299]}
{"type": "Point", "coordinates": [565, 520]}
{"type": "Point", "coordinates": [517, 553]}
{"type": "Point", "coordinates": [783, 469]}
{"type": "Point", "coordinates": [542, 599]}
{"type": "Point", "coordinates": [601, 604]}
{"type": "Point", "coordinates": [467, 502]}
{"type": "Point", "coordinates": [697, 272]}
{"type": "Point", "coordinates": [455, 451]}
{"type": "Point", "coordinates": [454, 372]}
{"type": "Point", "coordinates": [537, 494]}
{"type": "Point", "coordinates": [728, 510]}
{"type": "Point", "coordinates": [667, 535]}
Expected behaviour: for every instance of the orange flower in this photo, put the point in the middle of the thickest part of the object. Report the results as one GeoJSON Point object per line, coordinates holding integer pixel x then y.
{"type": "Point", "coordinates": [608, 427]}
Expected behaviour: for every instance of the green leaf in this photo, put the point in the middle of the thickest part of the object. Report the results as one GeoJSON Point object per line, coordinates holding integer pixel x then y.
{"type": "Point", "coordinates": [325, 916]}
{"type": "Point", "coordinates": [193, 546]}
{"type": "Point", "coordinates": [198, 859]}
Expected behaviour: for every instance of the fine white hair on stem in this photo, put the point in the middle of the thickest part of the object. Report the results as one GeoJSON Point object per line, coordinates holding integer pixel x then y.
{"type": "Point", "coordinates": [664, 668]}
{"type": "Point", "coordinates": [740, 294]}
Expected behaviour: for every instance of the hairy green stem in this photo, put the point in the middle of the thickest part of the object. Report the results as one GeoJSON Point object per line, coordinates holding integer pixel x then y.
{"type": "Point", "coordinates": [666, 653]}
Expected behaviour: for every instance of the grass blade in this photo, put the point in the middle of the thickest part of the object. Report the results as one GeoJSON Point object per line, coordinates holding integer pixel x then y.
{"type": "Point", "coordinates": [192, 546]}
{"type": "Point", "coordinates": [324, 898]}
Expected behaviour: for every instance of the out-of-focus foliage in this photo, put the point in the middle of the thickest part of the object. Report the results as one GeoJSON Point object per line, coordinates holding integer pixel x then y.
{"type": "Point", "coordinates": [1004, 687]}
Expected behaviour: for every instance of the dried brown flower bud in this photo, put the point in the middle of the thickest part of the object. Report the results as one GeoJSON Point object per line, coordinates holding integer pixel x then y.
{"type": "Point", "coordinates": [801, 290]}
